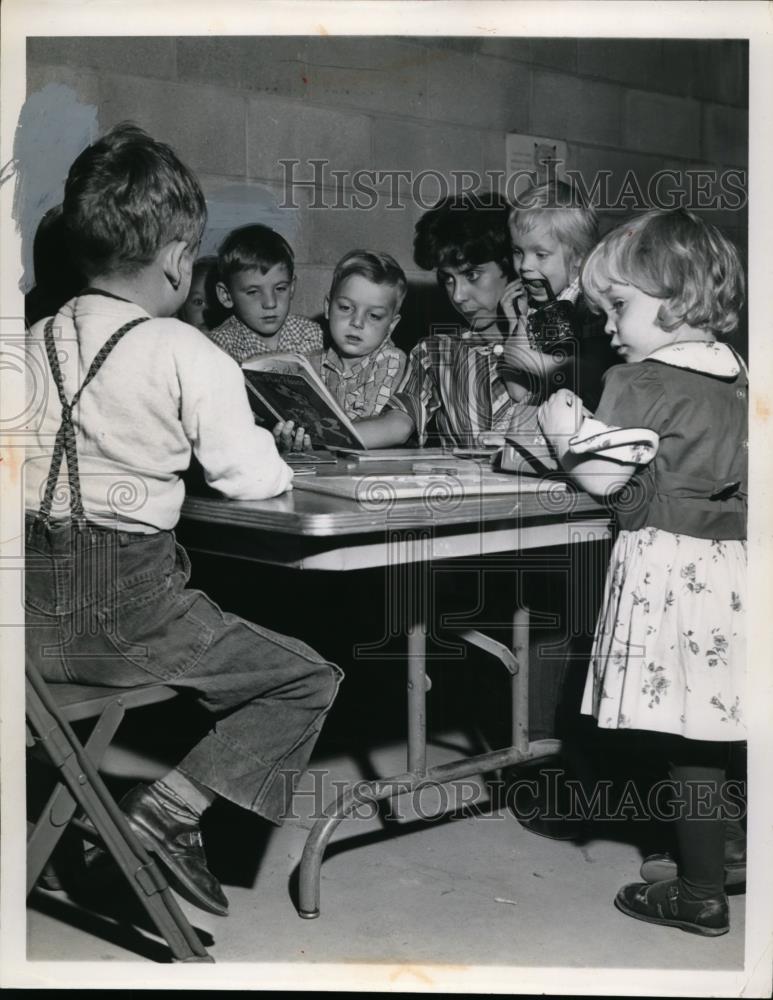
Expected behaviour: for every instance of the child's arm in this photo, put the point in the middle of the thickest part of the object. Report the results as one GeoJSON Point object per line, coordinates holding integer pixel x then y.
{"type": "Point", "coordinates": [239, 459]}
{"type": "Point", "coordinates": [389, 429]}
{"type": "Point", "coordinates": [560, 419]}
{"type": "Point", "coordinates": [518, 354]}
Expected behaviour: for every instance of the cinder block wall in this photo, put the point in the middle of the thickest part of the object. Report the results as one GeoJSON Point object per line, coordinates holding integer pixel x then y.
{"type": "Point", "coordinates": [234, 107]}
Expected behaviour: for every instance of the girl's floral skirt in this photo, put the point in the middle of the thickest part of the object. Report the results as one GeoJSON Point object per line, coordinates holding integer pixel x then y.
{"type": "Point", "coordinates": [669, 653]}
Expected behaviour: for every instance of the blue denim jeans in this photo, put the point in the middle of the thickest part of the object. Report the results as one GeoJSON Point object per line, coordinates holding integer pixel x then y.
{"type": "Point", "coordinates": [112, 608]}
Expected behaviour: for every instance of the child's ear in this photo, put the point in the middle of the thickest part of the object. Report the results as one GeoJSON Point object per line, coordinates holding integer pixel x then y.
{"type": "Point", "coordinates": [177, 263]}
{"type": "Point", "coordinates": [223, 295]}
{"type": "Point", "coordinates": [292, 288]}
{"type": "Point", "coordinates": [327, 307]}
{"type": "Point", "coordinates": [393, 323]}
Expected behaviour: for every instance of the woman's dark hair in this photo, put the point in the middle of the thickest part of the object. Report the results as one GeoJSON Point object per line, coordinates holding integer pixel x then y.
{"type": "Point", "coordinates": [464, 230]}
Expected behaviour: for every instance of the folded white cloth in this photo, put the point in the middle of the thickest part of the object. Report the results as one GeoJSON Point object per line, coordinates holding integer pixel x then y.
{"type": "Point", "coordinates": [623, 444]}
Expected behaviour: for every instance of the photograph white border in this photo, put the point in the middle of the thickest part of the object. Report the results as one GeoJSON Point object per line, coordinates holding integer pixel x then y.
{"type": "Point", "coordinates": [752, 20]}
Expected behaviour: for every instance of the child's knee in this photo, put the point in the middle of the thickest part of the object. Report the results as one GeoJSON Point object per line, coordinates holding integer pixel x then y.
{"type": "Point", "coordinates": [324, 682]}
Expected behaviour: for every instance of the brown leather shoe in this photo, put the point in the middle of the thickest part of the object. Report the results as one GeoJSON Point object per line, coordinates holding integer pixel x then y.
{"type": "Point", "coordinates": [178, 848]}
{"type": "Point", "coordinates": [663, 903]}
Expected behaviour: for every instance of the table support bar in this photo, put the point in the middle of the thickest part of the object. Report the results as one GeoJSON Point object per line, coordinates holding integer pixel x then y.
{"type": "Point", "coordinates": [387, 788]}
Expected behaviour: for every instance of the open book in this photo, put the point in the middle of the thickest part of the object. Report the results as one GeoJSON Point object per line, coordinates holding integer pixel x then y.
{"type": "Point", "coordinates": [286, 387]}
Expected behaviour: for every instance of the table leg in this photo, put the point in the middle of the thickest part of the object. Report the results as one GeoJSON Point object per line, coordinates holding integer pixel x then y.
{"type": "Point", "coordinates": [519, 682]}
{"type": "Point", "coordinates": [417, 698]}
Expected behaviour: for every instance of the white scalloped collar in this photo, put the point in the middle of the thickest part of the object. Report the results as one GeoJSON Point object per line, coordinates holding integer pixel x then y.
{"type": "Point", "coordinates": [709, 357]}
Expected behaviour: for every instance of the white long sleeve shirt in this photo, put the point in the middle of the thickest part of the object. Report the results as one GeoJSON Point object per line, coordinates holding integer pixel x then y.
{"type": "Point", "coordinates": [164, 391]}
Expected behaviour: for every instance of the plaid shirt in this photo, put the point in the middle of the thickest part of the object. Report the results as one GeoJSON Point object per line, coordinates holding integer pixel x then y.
{"type": "Point", "coordinates": [297, 333]}
{"type": "Point", "coordinates": [363, 389]}
{"type": "Point", "coordinates": [458, 382]}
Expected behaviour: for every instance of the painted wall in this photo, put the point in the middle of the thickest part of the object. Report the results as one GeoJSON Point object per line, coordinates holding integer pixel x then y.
{"type": "Point", "coordinates": [234, 107]}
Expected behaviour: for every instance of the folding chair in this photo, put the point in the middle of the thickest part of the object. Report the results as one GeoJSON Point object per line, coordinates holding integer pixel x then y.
{"type": "Point", "coordinates": [82, 801]}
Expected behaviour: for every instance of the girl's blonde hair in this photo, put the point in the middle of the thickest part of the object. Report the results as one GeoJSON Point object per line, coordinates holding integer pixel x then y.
{"type": "Point", "coordinates": [674, 256]}
{"type": "Point", "coordinates": [573, 223]}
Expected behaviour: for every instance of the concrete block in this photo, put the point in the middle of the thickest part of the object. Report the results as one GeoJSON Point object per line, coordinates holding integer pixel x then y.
{"type": "Point", "coordinates": [711, 187]}
{"type": "Point", "coordinates": [614, 179]}
{"type": "Point", "coordinates": [492, 145]}
{"type": "Point", "coordinates": [232, 204]}
{"type": "Point", "coordinates": [496, 92]}
{"type": "Point", "coordinates": [312, 285]}
{"type": "Point", "coordinates": [558, 53]}
{"type": "Point", "coordinates": [428, 153]}
{"type": "Point", "coordinates": [149, 57]}
{"type": "Point", "coordinates": [280, 130]}
{"type": "Point", "coordinates": [507, 47]}
{"type": "Point", "coordinates": [725, 134]}
{"type": "Point", "coordinates": [273, 65]}
{"type": "Point", "coordinates": [335, 232]}
{"type": "Point", "coordinates": [715, 69]}
{"type": "Point", "coordinates": [85, 84]}
{"type": "Point", "coordinates": [204, 125]}
{"type": "Point", "coordinates": [657, 123]}
{"type": "Point", "coordinates": [635, 61]}
{"type": "Point", "coordinates": [379, 74]}
{"type": "Point", "coordinates": [564, 107]}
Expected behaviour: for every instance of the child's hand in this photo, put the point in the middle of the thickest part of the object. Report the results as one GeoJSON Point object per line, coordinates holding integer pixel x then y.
{"type": "Point", "coordinates": [288, 438]}
{"type": "Point", "coordinates": [514, 303]}
{"type": "Point", "coordinates": [560, 417]}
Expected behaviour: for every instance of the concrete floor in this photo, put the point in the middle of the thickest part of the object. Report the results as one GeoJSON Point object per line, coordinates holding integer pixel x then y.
{"type": "Point", "coordinates": [477, 891]}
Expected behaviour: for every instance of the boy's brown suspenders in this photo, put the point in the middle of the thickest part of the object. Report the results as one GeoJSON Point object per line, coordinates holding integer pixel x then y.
{"type": "Point", "coordinates": [64, 443]}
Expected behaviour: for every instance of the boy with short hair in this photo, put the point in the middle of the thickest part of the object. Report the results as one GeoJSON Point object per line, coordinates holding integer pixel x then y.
{"type": "Point", "coordinates": [130, 393]}
{"type": "Point", "coordinates": [257, 280]}
{"type": "Point", "coordinates": [362, 367]}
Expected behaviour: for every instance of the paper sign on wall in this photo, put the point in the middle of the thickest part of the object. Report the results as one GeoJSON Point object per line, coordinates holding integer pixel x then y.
{"type": "Point", "coordinates": [533, 159]}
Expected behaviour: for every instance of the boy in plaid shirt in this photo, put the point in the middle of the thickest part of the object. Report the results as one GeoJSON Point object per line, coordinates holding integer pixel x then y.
{"type": "Point", "coordinates": [257, 281]}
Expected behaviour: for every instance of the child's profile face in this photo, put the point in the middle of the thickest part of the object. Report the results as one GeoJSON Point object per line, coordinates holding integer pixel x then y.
{"type": "Point", "coordinates": [537, 254]}
{"type": "Point", "coordinates": [260, 301]}
{"type": "Point", "coordinates": [193, 308]}
{"type": "Point", "coordinates": [475, 291]}
{"type": "Point", "coordinates": [632, 322]}
{"type": "Point", "coordinates": [361, 315]}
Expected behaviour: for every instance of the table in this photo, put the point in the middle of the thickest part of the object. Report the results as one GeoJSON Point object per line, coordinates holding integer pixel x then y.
{"type": "Point", "coordinates": [306, 530]}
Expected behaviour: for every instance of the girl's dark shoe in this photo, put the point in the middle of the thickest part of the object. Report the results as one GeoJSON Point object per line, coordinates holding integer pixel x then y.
{"type": "Point", "coordinates": [178, 848]}
{"type": "Point", "coordinates": [663, 903]}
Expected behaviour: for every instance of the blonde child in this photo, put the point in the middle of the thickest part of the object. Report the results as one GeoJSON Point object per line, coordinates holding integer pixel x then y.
{"type": "Point", "coordinates": [362, 367]}
{"type": "Point", "coordinates": [669, 648]}
{"type": "Point", "coordinates": [552, 230]}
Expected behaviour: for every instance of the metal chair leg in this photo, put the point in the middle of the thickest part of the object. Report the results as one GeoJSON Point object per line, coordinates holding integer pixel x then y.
{"type": "Point", "coordinates": [87, 788]}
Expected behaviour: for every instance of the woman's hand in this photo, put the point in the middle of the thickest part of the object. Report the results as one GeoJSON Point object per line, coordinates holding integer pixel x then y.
{"type": "Point", "coordinates": [514, 303]}
{"type": "Point", "coordinates": [288, 438]}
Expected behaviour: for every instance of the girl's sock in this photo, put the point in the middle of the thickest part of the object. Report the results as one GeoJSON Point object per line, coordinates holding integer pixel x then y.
{"type": "Point", "coordinates": [699, 768]}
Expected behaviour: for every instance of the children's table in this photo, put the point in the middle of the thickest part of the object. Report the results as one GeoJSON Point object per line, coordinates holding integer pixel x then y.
{"type": "Point", "coordinates": [310, 530]}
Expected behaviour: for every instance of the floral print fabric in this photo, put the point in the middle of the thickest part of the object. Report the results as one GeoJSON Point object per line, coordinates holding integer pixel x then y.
{"type": "Point", "coordinates": [669, 653]}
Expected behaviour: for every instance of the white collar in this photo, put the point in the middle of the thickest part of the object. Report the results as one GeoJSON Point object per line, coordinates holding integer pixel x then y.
{"type": "Point", "coordinates": [708, 357]}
